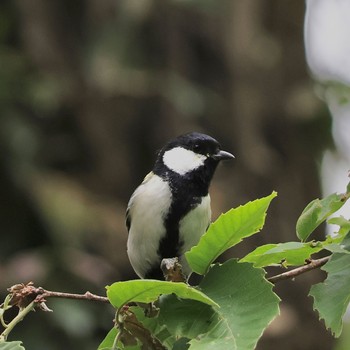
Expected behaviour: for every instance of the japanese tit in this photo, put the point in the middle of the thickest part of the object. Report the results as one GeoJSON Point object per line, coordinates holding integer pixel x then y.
{"type": "Point", "coordinates": [169, 212]}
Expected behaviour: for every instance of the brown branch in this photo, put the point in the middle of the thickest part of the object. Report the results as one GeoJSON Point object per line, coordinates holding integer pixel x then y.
{"type": "Point", "coordinates": [313, 264]}
{"type": "Point", "coordinates": [27, 297]}
{"type": "Point", "coordinates": [85, 296]}
{"type": "Point", "coordinates": [23, 294]}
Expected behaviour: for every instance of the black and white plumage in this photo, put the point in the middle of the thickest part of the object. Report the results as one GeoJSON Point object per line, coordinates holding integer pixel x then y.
{"type": "Point", "coordinates": [170, 210]}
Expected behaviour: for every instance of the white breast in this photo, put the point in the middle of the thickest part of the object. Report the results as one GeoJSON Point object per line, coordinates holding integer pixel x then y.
{"type": "Point", "coordinates": [147, 207]}
{"type": "Point", "coordinates": [192, 227]}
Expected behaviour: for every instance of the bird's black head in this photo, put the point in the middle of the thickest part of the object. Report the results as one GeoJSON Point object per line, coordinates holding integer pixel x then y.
{"type": "Point", "coordinates": [192, 156]}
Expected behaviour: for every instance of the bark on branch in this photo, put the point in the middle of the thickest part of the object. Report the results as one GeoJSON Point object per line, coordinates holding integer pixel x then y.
{"type": "Point", "coordinates": [313, 264]}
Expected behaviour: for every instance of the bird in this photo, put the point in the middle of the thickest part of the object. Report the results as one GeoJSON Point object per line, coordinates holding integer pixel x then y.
{"type": "Point", "coordinates": [170, 210]}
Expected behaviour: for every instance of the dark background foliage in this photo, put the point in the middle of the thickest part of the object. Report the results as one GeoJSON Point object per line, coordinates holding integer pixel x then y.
{"type": "Point", "coordinates": [89, 90]}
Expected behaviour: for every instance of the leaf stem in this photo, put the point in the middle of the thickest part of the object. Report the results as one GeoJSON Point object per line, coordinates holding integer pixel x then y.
{"type": "Point", "coordinates": [313, 264]}
{"type": "Point", "coordinates": [21, 314]}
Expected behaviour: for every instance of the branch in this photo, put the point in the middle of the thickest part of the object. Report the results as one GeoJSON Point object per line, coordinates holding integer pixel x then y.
{"type": "Point", "coordinates": [86, 296]}
{"type": "Point", "coordinates": [313, 264]}
{"type": "Point", "coordinates": [27, 297]}
{"type": "Point", "coordinates": [23, 294]}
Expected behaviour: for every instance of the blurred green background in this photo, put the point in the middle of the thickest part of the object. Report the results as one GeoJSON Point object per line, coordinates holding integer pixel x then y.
{"type": "Point", "coordinates": [89, 90]}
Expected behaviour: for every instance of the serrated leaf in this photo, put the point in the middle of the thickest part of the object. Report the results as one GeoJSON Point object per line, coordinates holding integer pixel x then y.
{"type": "Point", "coordinates": [155, 326]}
{"type": "Point", "coordinates": [184, 317]}
{"type": "Point", "coordinates": [146, 291]}
{"type": "Point", "coordinates": [332, 297]}
{"type": "Point", "coordinates": [317, 211]}
{"type": "Point", "coordinates": [136, 332]}
{"type": "Point", "coordinates": [288, 254]}
{"type": "Point", "coordinates": [220, 336]}
{"type": "Point", "coordinates": [12, 345]}
{"type": "Point", "coordinates": [247, 306]}
{"type": "Point", "coordinates": [228, 230]}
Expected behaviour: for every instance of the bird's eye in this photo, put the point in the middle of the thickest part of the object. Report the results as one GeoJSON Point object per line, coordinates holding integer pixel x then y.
{"type": "Point", "coordinates": [196, 147]}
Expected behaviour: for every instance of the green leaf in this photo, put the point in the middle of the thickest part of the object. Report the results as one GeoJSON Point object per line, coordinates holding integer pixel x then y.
{"type": "Point", "coordinates": [189, 319]}
{"type": "Point", "coordinates": [107, 343]}
{"type": "Point", "coordinates": [184, 317]}
{"type": "Point", "coordinates": [287, 254]}
{"type": "Point", "coordinates": [332, 297]}
{"type": "Point", "coordinates": [228, 230]}
{"type": "Point", "coordinates": [139, 329]}
{"type": "Point", "coordinates": [344, 227]}
{"type": "Point", "coordinates": [247, 306]}
{"type": "Point", "coordinates": [221, 341]}
{"type": "Point", "coordinates": [12, 345]}
{"type": "Point", "coordinates": [146, 291]}
{"type": "Point", "coordinates": [181, 344]}
{"type": "Point", "coordinates": [336, 248]}
{"type": "Point", "coordinates": [154, 324]}
{"type": "Point", "coordinates": [317, 211]}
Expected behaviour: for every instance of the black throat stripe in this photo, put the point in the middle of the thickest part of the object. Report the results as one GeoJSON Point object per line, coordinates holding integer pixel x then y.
{"type": "Point", "coordinates": [170, 245]}
{"type": "Point", "coordinates": [187, 194]}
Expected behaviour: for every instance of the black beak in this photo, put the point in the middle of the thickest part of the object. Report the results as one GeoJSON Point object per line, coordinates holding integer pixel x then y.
{"type": "Point", "coordinates": [223, 155]}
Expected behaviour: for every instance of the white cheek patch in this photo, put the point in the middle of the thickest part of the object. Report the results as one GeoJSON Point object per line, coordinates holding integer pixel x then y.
{"type": "Point", "coordinates": [182, 160]}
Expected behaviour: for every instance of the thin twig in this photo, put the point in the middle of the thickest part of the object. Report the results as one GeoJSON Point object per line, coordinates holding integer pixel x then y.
{"type": "Point", "coordinates": [313, 264]}
{"type": "Point", "coordinates": [86, 296]}
{"type": "Point", "coordinates": [27, 297]}
{"type": "Point", "coordinates": [22, 294]}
